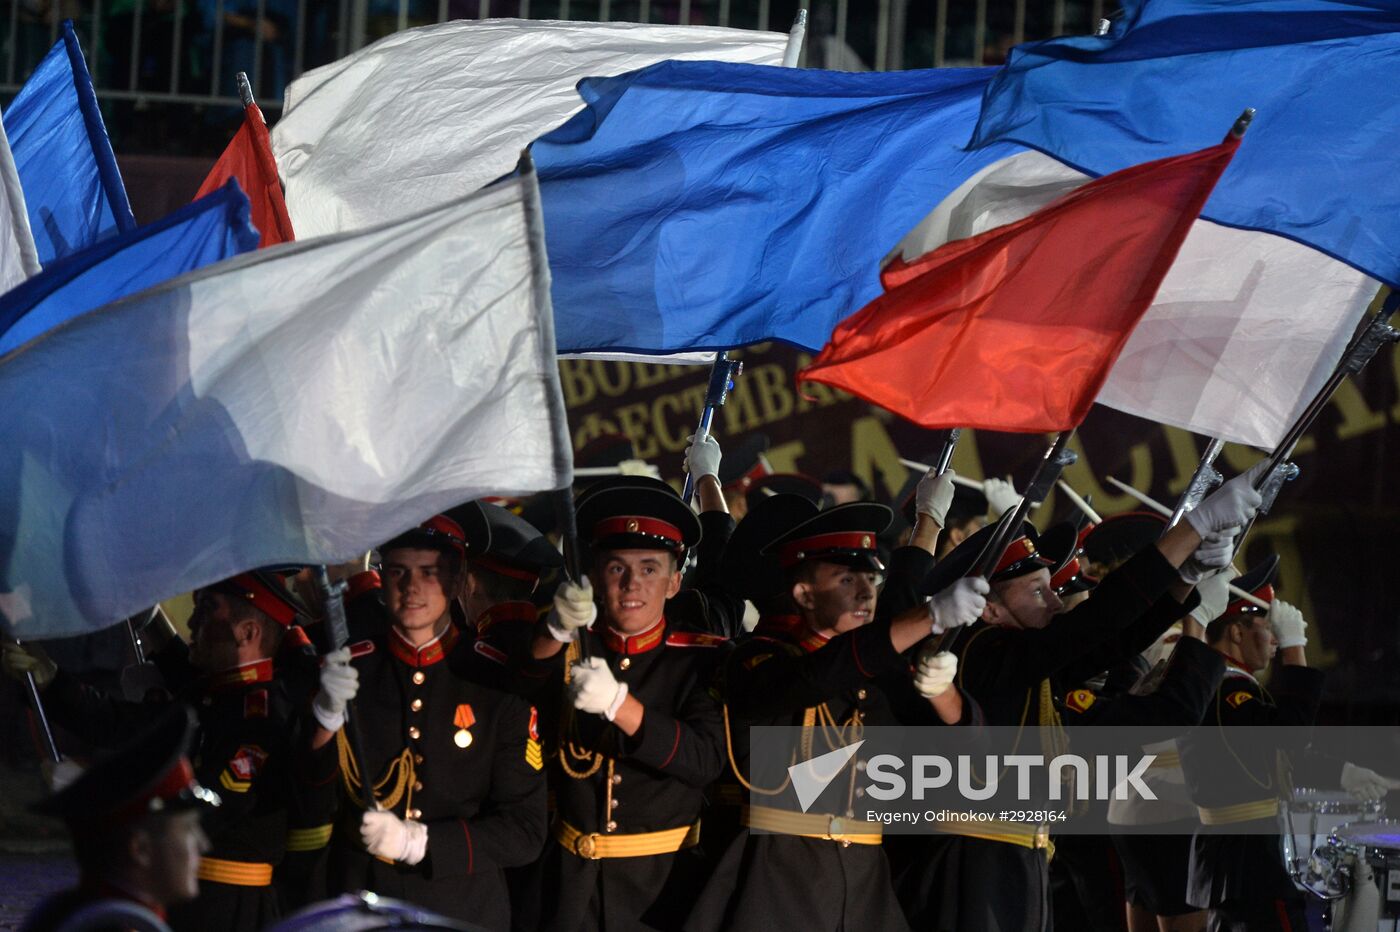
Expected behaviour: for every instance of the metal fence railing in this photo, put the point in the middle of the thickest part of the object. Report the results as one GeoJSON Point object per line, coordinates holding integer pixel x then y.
{"type": "Point", "coordinates": [186, 52]}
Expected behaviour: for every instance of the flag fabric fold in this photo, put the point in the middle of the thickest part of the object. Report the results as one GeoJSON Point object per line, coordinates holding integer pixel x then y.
{"type": "Point", "coordinates": [1243, 332]}
{"type": "Point", "coordinates": [291, 405]}
{"type": "Point", "coordinates": [248, 158]}
{"type": "Point", "coordinates": [19, 258]}
{"type": "Point", "coordinates": [430, 114]}
{"type": "Point", "coordinates": [211, 229]}
{"type": "Point", "coordinates": [72, 187]}
{"type": "Point", "coordinates": [703, 206]}
{"type": "Point", "coordinates": [1015, 329]}
{"type": "Point", "coordinates": [1320, 166]}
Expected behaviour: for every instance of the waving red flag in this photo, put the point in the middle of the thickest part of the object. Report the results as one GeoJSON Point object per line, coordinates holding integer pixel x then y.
{"type": "Point", "coordinates": [249, 159]}
{"type": "Point", "coordinates": [1015, 329]}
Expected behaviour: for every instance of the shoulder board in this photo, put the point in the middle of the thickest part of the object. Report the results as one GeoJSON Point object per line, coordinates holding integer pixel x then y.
{"type": "Point", "coordinates": [1080, 699]}
{"type": "Point", "coordinates": [1238, 698]}
{"type": "Point", "coordinates": [490, 653]}
{"type": "Point", "coordinates": [255, 703]}
{"type": "Point", "coordinates": [694, 639]}
{"type": "Point", "coordinates": [361, 649]}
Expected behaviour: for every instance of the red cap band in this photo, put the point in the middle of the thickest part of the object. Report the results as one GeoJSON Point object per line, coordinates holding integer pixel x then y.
{"type": "Point", "coordinates": [1241, 607]}
{"type": "Point", "coordinates": [1066, 573]}
{"type": "Point", "coordinates": [758, 472]}
{"type": "Point", "coordinates": [1019, 549]}
{"type": "Point", "coordinates": [638, 524]}
{"type": "Point", "coordinates": [795, 551]}
{"type": "Point", "coordinates": [514, 572]}
{"type": "Point", "coordinates": [263, 598]}
{"type": "Point", "coordinates": [175, 781]}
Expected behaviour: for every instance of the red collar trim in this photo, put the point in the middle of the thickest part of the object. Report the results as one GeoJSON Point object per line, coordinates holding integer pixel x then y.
{"type": "Point", "coordinates": [506, 612]}
{"type": "Point", "coordinates": [487, 562]}
{"type": "Point", "coordinates": [650, 639]}
{"type": "Point", "coordinates": [430, 653]}
{"type": "Point", "coordinates": [795, 551]}
{"type": "Point", "coordinates": [257, 671]}
{"type": "Point", "coordinates": [638, 524]}
{"type": "Point", "coordinates": [791, 628]}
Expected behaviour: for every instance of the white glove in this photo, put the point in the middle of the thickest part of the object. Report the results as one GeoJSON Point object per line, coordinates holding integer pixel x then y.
{"type": "Point", "coordinates": [933, 495]}
{"type": "Point", "coordinates": [959, 604]}
{"type": "Point", "coordinates": [1211, 556]}
{"type": "Point", "coordinates": [1001, 497]}
{"type": "Point", "coordinates": [385, 835]}
{"type": "Point", "coordinates": [61, 775]}
{"type": "Point", "coordinates": [1366, 784]}
{"type": "Point", "coordinates": [593, 688]}
{"type": "Point", "coordinates": [573, 609]}
{"type": "Point", "coordinates": [339, 683]}
{"type": "Point", "coordinates": [21, 659]}
{"type": "Point", "coordinates": [1231, 505]}
{"type": "Point", "coordinates": [934, 672]}
{"type": "Point", "coordinates": [702, 457]}
{"type": "Point", "coordinates": [1290, 630]}
{"type": "Point", "coordinates": [1214, 591]}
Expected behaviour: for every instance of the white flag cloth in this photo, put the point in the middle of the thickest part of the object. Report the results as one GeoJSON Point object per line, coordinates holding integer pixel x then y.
{"type": "Point", "coordinates": [299, 404]}
{"type": "Point", "coordinates": [18, 257]}
{"type": "Point", "coordinates": [433, 113]}
{"type": "Point", "coordinates": [1242, 333]}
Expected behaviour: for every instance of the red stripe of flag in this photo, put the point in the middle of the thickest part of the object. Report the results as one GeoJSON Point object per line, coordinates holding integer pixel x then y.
{"type": "Point", "coordinates": [248, 158]}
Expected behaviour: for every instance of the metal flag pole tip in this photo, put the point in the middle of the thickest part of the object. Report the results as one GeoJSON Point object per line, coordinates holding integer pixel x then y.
{"type": "Point", "coordinates": [245, 88]}
{"type": "Point", "coordinates": [1242, 124]}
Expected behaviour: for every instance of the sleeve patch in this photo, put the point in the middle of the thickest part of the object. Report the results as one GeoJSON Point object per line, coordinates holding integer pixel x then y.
{"type": "Point", "coordinates": [533, 755]}
{"type": "Point", "coordinates": [534, 724]}
{"type": "Point", "coordinates": [693, 639]}
{"type": "Point", "coordinates": [1080, 699]}
{"type": "Point", "coordinates": [246, 763]}
{"type": "Point", "coordinates": [1238, 698]}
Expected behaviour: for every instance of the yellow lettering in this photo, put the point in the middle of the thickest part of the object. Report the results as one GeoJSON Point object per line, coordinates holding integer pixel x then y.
{"type": "Point", "coordinates": [662, 428]}
{"type": "Point", "coordinates": [591, 429]}
{"type": "Point", "coordinates": [1357, 417]}
{"type": "Point", "coordinates": [784, 456]}
{"type": "Point", "coordinates": [872, 451]}
{"type": "Point", "coordinates": [613, 378]}
{"type": "Point", "coordinates": [774, 399]}
{"type": "Point", "coordinates": [645, 374]}
{"type": "Point", "coordinates": [1107, 499]}
{"type": "Point", "coordinates": [633, 419]}
{"type": "Point", "coordinates": [741, 411]}
{"type": "Point", "coordinates": [578, 387]}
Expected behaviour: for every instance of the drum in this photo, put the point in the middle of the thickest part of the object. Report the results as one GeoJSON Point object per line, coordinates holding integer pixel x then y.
{"type": "Point", "coordinates": [1369, 854]}
{"type": "Point", "coordinates": [366, 912]}
{"type": "Point", "coordinates": [1311, 817]}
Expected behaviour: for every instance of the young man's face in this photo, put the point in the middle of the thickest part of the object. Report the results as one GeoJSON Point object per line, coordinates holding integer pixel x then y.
{"type": "Point", "coordinates": [1023, 602]}
{"type": "Point", "coordinates": [415, 588]}
{"type": "Point", "coordinates": [635, 585]}
{"type": "Point", "coordinates": [173, 848]}
{"type": "Point", "coordinates": [213, 643]}
{"type": "Point", "coordinates": [1253, 643]}
{"type": "Point", "coordinates": [836, 598]}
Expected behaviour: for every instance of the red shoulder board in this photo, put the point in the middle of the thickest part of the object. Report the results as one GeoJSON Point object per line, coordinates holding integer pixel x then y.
{"type": "Point", "coordinates": [1238, 698]}
{"type": "Point", "coordinates": [693, 639]}
{"type": "Point", "coordinates": [361, 649]}
{"type": "Point", "coordinates": [360, 583]}
{"type": "Point", "coordinates": [1080, 699]}
{"type": "Point", "coordinates": [255, 704]}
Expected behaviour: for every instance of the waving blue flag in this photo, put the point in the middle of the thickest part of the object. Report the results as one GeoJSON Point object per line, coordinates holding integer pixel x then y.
{"type": "Point", "coordinates": [1172, 75]}
{"type": "Point", "coordinates": [703, 205]}
{"type": "Point", "coordinates": [64, 158]}
{"type": "Point", "coordinates": [212, 228]}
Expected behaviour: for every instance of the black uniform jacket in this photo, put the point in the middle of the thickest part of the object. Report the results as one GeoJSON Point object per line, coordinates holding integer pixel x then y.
{"type": "Point", "coordinates": [1192, 677]}
{"type": "Point", "coordinates": [245, 750]}
{"type": "Point", "coordinates": [461, 758]}
{"type": "Point", "coordinates": [615, 784]}
{"type": "Point", "coordinates": [1231, 760]}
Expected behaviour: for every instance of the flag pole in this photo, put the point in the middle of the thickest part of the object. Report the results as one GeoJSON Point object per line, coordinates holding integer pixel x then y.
{"type": "Point", "coordinates": [725, 371]}
{"type": "Point", "coordinates": [562, 499]}
{"type": "Point", "coordinates": [1205, 478]}
{"type": "Point", "coordinates": [957, 480]}
{"type": "Point", "coordinates": [32, 688]}
{"type": "Point", "coordinates": [1056, 458]}
{"type": "Point", "coordinates": [1158, 507]}
{"type": "Point", "coordinates": [333, 594]}
{"type": "Point", "coordinates": [245, 88]}
{"type": "Point", "coordinates": [945, 456]}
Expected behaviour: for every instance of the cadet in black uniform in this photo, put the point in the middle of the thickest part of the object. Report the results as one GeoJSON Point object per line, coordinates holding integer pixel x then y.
{"type": "Point", "coordinates": [247, 747]}
{"type": "Point", "coordinates": [455, 767]}
{"type": "Point", "coordinates": [641, 734]}
{"type": "Point", "coordinates": [134, 819]}
{"type": "Point", "coordinates": [996, 877]}
{"type": "Point", "coordinates": [506, 556]}
{"type": "Point", "coordinates": [831, 663]}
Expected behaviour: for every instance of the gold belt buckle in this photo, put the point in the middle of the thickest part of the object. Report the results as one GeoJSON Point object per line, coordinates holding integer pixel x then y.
{"type": "Point", "coordinates": [586, 846]}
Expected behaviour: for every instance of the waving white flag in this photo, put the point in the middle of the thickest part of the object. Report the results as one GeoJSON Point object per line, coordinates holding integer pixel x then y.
{"type": "Point", "coordinates": [430, 114]}
{"type": "Point", "coordinates": [18, 257]}
{"type": "Point", "coordinates": [300, 404]}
